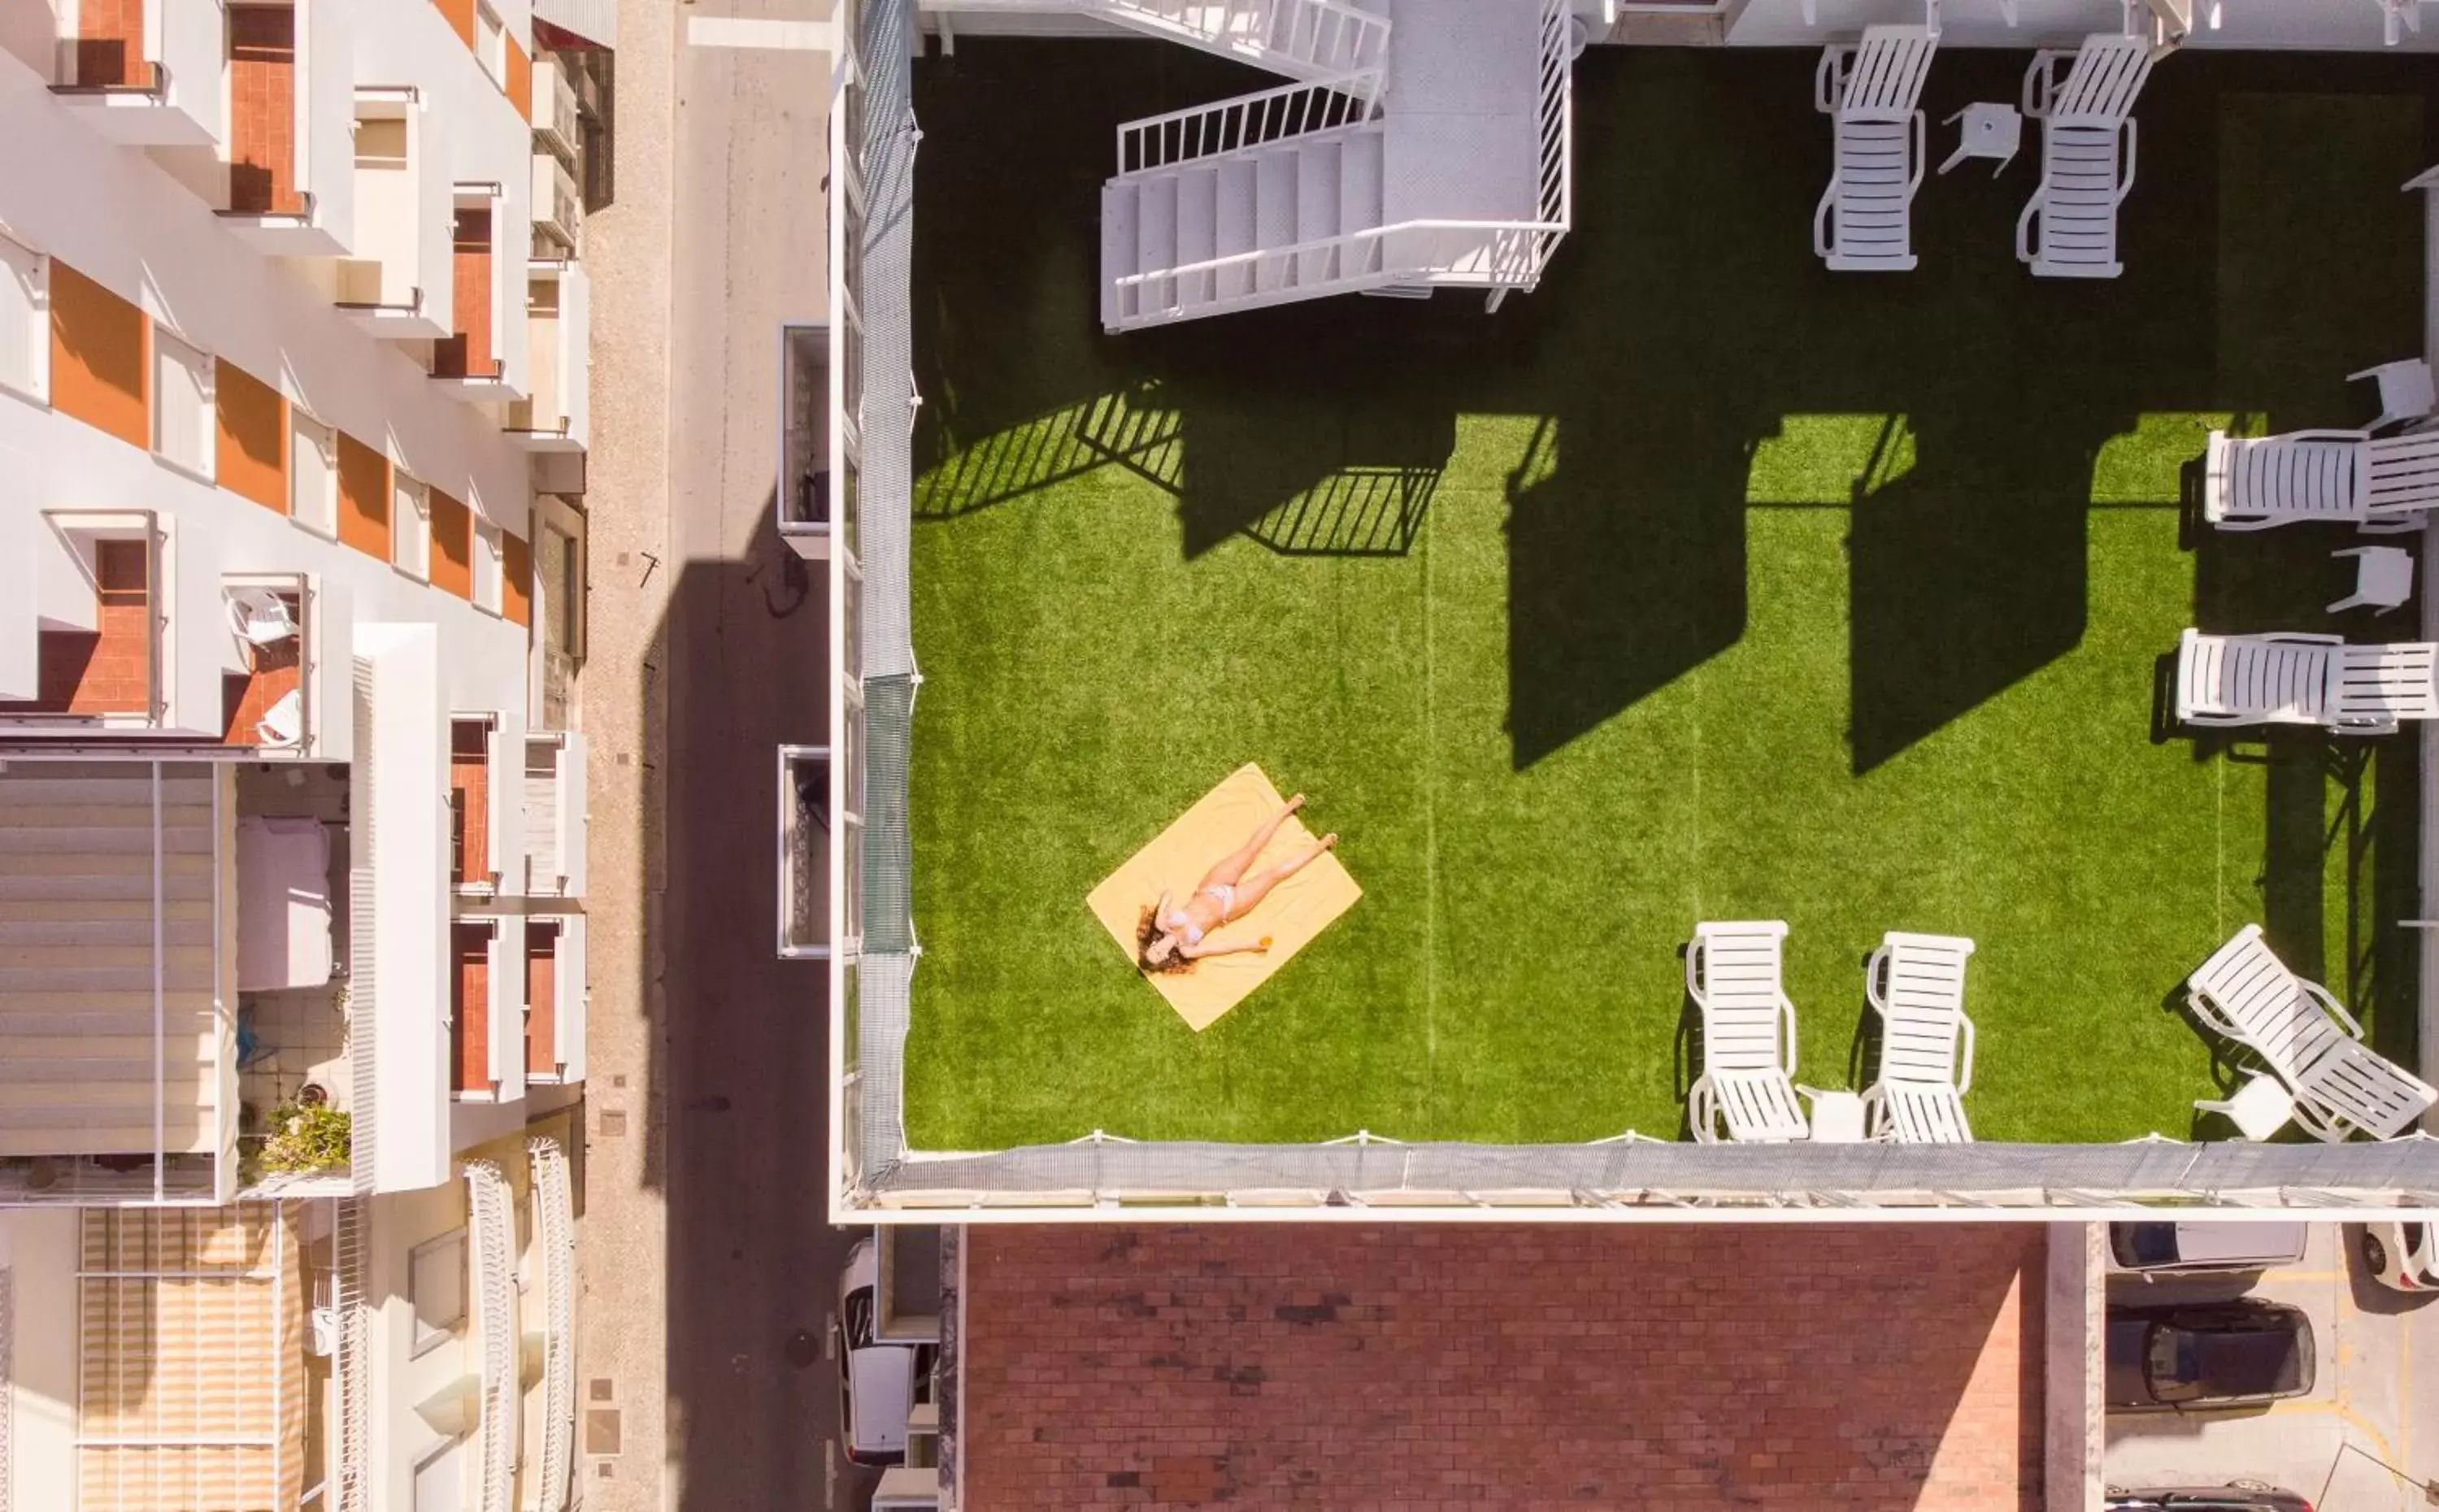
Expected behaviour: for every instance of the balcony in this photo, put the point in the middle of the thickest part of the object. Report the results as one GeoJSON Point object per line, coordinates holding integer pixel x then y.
{"type": "Point", "coordinates": [473, 358]}
{"type": "Point", "coordinates": [557, 121]}
{"type": "Point", "coordinates": [805, 439]}
{"type": "Point", "coordinates": [486, 773]}
{"type": "Point", "coordinates": [558, 318]}
{"type": "Point", "coordinates": [555, 998]}
{"type": "Point", "coordinates": [297, 1019]}
{"type": "Point", "coordinates": [292, 122]}
{"type": "Point", "coordinates": [804, 851]}
{"type": "Point", "coordinates": [487, 1008]}
{"type": "Point", "coordinates": [398, 280]}
{"type": "Point", "coordinates": [146, 73]}
{"type": "Point", "coordinates": [96, 615]}
{"type": "Point", "coordinates": [555, 824]}
{"type": "Point", "coordinates": [558, 207]}
{"type": "Point", "coordinates": [282, 692]}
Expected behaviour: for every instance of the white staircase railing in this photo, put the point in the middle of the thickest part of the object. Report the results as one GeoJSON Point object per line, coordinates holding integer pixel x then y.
{"type": "Point", "coordinates": [1483, 253]}
{"type": "Point", "coordinates": [351, 1362]}
{"type": "Point", "coordinates": [494, 1276]}
{"type": "Point", "coordinates": [554, 1234]}
{"type": "Point", "coordinates": [1292, 36]}
{"type": "Point", "coordinates": [1558, 135]}
{"type": "Point", "coordinates": [1258, 119]}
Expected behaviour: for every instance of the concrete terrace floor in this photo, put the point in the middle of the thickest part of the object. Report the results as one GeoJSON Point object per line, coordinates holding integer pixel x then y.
{"type": "Point", "coordinates": [1699, 583]}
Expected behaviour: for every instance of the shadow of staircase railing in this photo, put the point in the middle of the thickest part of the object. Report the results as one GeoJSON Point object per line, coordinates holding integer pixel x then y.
{"type": "Point", "coordinates": [1129, 429]}
{"type": "Point", "coordinates": [1356, 511]}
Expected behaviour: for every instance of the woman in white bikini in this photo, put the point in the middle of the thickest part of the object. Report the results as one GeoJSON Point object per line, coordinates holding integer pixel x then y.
{"type": "Point", "coordinates": [1172, 939]}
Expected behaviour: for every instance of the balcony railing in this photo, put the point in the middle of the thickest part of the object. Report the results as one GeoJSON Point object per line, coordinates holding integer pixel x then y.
{"type": "Point", "coordinates": [555, 1237]}
{"type": "Point", "coordinates": [494, 1281]}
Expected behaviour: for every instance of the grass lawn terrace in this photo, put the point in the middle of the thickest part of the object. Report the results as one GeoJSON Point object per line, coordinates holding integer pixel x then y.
{"type": "Point", "coordinates": [1699, 583]}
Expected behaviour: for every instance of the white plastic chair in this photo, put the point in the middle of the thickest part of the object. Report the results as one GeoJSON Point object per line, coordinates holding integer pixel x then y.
{"type": "Point", "coordinates": [2069, 229]}
{"type": "Point", "coordinates": [2385, 483]}
{"type": "Point", "coordinates": [2406, 392]}
{"type": "Point", "coordinates": [2305, 1039]}
{"type": "Point", "coordinates": [259, 616]}
{"type": "Point", "coordinates": [282, 726]}
{"type": "Point", "coordinates": [1872, 92]}
{"type": "Point", "coordinates": [1733, 972]}
{"type": "Point", "coordinates": [1915, 983]}
{"type": "Point", "coordinates": [2299, 679]}
{"type": "Point", "coordinates": [2383, 579]}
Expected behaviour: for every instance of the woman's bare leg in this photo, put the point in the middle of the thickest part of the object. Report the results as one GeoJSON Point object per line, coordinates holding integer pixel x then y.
{"type": "Point", "coordinates": [1254, 889]}
{"type": "Point", "coordinates": [1226, 873]}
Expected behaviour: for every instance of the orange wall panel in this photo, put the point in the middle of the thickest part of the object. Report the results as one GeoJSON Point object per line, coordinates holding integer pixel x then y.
{"type": "Point", "coordinates": [519, 83]}
{"type": "Point", "coordinates": [363, 498]}
{"type": "Point", "coordinates": [516, 577]}
{"type": "Point", "coordinates": [452, 545]}
{"type": "Point", "coordinates": [253, 424]}
{"type": "Point", "coordinates": [461, 18]}
{"type": "Point", "coordinates": [100, 350]}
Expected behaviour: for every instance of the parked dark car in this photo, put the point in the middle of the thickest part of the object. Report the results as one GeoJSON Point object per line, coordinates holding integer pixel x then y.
{"type": "Point", "coordinates": [2205, 1498]}
{"type": "Point", "coordinates": [2226, 1353]}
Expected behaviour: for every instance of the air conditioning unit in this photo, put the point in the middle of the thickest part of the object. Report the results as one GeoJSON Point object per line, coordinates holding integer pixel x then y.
{"type": "Point", "coordinates": [557, 126]}
{"type": "Point", "coordinates": [558, 206]}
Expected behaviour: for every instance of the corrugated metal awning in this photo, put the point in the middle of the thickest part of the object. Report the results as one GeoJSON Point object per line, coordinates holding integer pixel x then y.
{"type": "Point", "coordinates": [191, 1332]}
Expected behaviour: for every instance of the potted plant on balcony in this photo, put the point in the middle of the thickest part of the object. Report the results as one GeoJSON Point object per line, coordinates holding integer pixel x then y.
{"type": "Point", "coordinates": [306, 1139]}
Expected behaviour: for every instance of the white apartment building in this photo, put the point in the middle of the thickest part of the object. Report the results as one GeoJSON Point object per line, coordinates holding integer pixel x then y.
{"type": "Point", "coordinates": [292, 425]}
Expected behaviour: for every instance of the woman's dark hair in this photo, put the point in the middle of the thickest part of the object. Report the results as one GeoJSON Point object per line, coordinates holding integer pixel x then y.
{"type": "Point", "coordinates": [1147, 930]}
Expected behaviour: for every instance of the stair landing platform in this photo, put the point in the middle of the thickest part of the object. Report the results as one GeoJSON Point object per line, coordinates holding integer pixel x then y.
{"type": "Point", "coordinates": [1462, 111]}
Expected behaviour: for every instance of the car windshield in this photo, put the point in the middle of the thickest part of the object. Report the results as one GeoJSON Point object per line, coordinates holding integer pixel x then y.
{"type": "Point", "coordinates": [2140, 1245]}
{"type": "Point", "coordinates": [858, 1318]}
{"type": "Point", "coordinates": [2173, 1365]}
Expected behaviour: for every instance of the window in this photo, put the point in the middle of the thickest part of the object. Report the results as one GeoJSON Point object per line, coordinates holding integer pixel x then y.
{"type": "Point", "coordinates": [411, 521]}
{"type": "Point", "coordinates": [25, 321]}
{"type": "Point", "coordinates": [313, 475]}
{"type": "Point", "coordinates": [183, 432]}
{"type": "Point", "coordinates": [435, 1287]}
{"type": "Point", "coordinates": [491, 43]}
{"type": "Point", "coordinates": [488, 571]}
{"type": "Point", "coordinates": [440, 1478]}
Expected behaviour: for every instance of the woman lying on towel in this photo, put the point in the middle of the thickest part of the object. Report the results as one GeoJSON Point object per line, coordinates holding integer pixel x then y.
{"type": "Point", "coordinates": [1172, 939]}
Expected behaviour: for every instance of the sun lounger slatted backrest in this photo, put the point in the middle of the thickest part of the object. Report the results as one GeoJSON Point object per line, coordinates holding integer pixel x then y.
{"type": "Point", "coordinates": [2252, 483]}
{"type": "Point", "coordinates": [1872, 93]}
{"type": "Point", "coordinates": [2401, 476]}
{"type": "Point", "coordinates": [2353, 1090]}
{"type": "Point", "coordinates": [2109, 70]}
{"type": "Point", "coordinates": [2380, 685]}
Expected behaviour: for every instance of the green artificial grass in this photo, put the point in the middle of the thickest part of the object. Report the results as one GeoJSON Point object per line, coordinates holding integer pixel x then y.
{"type": "Point", "coordinates": [1698, 585]}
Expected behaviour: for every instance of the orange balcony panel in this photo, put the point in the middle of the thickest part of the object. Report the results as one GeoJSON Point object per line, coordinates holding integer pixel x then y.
{"type": "Point", "coordinates": [470, 1008]}
{"type": "Point", "coordinates": [460, 14]}
{"type": "Point", "coordinates": [516, 579]}
{"type": "Point", "coordinates": [252, 421]}
{"type": "Point", "coordinates": [100, 346]}
{"type": "Point", "coordinates": [363, 498]}
{"type": "Point", "coordinates": [470, 803]}
{"type": "Point", "coordinates": [542, 998]}
{"type": "Point", "coordinates": [262, 109]}
{"type": "Point", "coordinates": [453, 546]}
{"type": "Point", "coordinates": [518, 85]}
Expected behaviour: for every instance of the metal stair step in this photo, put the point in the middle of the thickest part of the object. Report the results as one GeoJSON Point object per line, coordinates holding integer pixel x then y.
{"type": "Point", "coordinates": [1198, 231]}
{"type": "Point", "coordinates": [1236, 210]}
{"type": "Point", "coordinates": [1317, 181]}
{"type": "Point", "coordinates": [1360, 198]}
{"type": "Point", "coordinates": [1274, 216]}
{"type": "Point", "coordinates": [1156, 238]}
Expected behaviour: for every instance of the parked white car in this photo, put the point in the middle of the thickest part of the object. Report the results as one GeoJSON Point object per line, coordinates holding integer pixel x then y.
{"type": "Point", "coordinates": [2404, 1257]}
{"type": "Point", "coordinates": [877, 1383]}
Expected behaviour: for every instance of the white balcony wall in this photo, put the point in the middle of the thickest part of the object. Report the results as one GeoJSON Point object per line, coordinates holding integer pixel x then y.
{"type": "Point", "coordinates": [558, 417]}
{"type": "Point", "coordinates": [188, 106]}
{"type": "Point", "coordinates": [406, 820]}
{"type": "Point", "coordinates": [2313, 24]}
{"type": "Point", "coordinates": [507, 1008]}
{"type": "Point", "coordinates": [38, 1378]}
{"type": "Point", "coordinates": [398, 280]}
{"type": "Point", "coordinates": [120, 220]}
{"type": "Point", "coordinates": [326, 102]}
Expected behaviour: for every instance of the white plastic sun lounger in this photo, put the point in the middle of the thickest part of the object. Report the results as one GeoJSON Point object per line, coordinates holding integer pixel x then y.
{"type": "Point", "coordinates": [2380, 483]}
{"type": "Point", "coordinates": [1915, 983]}
{"type": "Point", "coordinates": [2069, 230]}
{"type": "Point", "coordinates": [1732, 973]}
{"type": "Point", "coordinates": [2307, 1040]}
{"type": "Point", "coordinates": [2300, 679]}
{"type": "Point", "coordinates": [1872, 93]}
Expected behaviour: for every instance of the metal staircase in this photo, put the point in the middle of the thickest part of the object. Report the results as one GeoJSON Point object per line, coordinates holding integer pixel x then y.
{"type": "Point", "coordinates": [1423, 144]}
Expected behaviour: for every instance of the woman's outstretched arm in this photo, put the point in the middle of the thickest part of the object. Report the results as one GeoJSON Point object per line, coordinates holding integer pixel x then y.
{"type": "Point", "coordinates": [1196, 952]}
